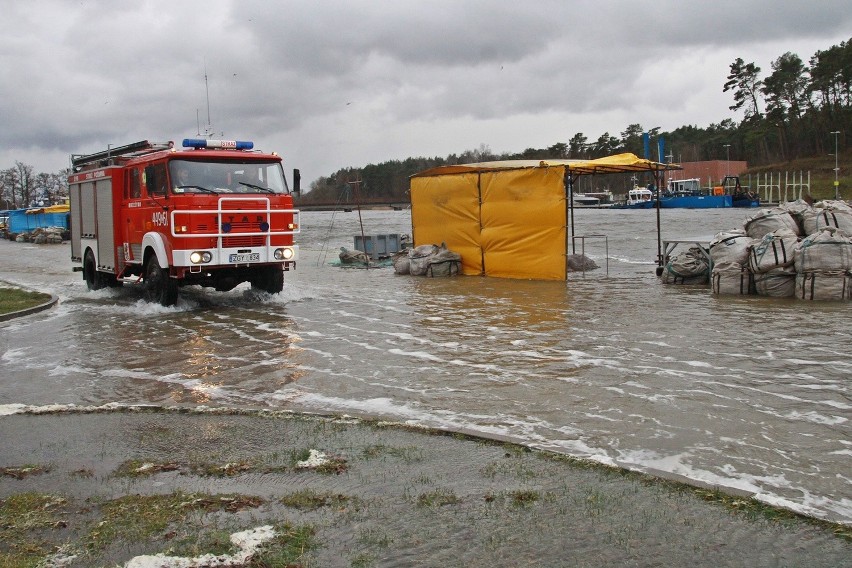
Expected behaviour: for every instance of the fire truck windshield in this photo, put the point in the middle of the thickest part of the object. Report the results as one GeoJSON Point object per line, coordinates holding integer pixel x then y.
{"type": "Point", "coordinates": [231, 176]}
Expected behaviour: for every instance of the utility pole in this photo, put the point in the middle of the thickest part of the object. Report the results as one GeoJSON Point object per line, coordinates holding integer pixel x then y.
{"type": "Point", "coordinates": [836, 167]}
{"type": "Point", "coordinates": [728, 162]}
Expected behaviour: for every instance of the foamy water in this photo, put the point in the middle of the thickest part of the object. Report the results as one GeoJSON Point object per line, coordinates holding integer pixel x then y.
{"type": "Point", "coordinates": [747, 393]}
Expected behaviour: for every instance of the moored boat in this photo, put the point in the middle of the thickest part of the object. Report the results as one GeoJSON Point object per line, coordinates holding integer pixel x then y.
{"type": "Point", "coordinates": [688, 194]}
{"type": "Point", "coordinates": [638, 198]}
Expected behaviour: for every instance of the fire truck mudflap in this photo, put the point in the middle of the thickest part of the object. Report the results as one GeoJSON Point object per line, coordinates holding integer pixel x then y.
{"type": "Point", "coordinates": [216, 214]}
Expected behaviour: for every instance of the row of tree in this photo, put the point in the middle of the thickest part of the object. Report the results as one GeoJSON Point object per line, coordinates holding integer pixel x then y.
{"type": "Point", "coordinates": [21, 186]}
{"type": "Point", "coordinates": [791, 113]}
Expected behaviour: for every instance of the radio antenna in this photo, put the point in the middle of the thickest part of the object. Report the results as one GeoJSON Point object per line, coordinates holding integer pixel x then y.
{"type": "Point", "coordinates": [207, 132]}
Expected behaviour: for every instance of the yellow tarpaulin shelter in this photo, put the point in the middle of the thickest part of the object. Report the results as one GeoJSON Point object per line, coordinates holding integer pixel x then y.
{"type": "Point", "coordinates": [507, 219]}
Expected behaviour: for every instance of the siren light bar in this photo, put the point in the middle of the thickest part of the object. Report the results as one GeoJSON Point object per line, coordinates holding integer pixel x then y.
{"type": "Point", "coordinates": [199, 143]}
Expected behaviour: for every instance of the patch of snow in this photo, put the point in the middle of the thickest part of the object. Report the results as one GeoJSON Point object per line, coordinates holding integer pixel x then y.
{"type": "Point", "coordinates": [248, 541]}
{"type": "Point", "coordinates": [316, 459]}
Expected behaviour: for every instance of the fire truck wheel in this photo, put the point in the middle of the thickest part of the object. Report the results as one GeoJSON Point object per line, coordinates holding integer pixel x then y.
{"type": "Point", "coordinates": [90, 273]}
{"type": "Point", "coordinates": [270, 279]}
{"type": "Point", "coordinates": [158, 286]}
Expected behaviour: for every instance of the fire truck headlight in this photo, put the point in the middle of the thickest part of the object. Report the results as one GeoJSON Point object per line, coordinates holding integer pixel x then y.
{"type": "Point", "coordinates": [200, 257]}
{"type": "Point", "coordinates": [284, 253]}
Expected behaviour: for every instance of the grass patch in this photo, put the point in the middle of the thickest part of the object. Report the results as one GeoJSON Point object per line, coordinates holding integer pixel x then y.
{"type": "Point", "coordinates": [287, 549]}
{"type": "Point", "coordinates": [437, 498]}
{"type": "Point", "coordinates": [408, 454]}
{"type": "Point", "coordinates": [524, 498]}
{"type": "Point", "coordinates": [15, 299]}
{"type": "Point", "coordinates": [310, 500]}
{"type": "Point", "coordinates": [23, 471]}
{"type": "Point", "coordinates": [141, 517]}
{"type": "Point", "coordinates": [34, 527]}
{"type": "Point", "coordinates": [26, 521]}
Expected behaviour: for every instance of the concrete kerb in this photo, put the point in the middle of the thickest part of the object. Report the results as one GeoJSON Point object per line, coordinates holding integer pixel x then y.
{"type": "Point", "coordinates": [28, 311]}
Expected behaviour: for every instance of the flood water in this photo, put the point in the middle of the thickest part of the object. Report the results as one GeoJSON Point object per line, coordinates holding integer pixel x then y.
{"type": "Point", "coordinates": [744, 392]}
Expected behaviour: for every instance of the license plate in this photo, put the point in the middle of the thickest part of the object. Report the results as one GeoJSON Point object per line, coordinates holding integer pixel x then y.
{"type": "Point", "coordinates": [249, 257]}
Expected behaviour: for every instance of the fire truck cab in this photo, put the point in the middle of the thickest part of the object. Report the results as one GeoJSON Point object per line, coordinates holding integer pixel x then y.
{"type": "Point", "coordinates": [216, 213]}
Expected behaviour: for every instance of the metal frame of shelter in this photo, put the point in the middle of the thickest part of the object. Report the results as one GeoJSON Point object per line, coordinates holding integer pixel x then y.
{"type": "Point", "coordinates": [619, 164]}
{"type": "Point", "coordinates": [572, 170]}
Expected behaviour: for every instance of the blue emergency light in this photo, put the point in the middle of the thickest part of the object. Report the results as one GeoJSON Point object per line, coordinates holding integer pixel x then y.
{"type": "Point", "coordinates": [199, 143]}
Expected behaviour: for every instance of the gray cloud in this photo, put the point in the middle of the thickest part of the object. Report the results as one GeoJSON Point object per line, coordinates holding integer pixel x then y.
{"type": "Point", "coordinates": [343, 84]}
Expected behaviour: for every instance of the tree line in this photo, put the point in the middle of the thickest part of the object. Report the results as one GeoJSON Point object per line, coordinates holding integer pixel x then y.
{"type": "Point", "coordinates": [21, 187]}
{"type": "Point", "coordinates": [790, 113]}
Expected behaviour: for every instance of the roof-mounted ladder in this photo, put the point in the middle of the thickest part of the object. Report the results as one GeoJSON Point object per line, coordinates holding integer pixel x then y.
{"type": "Point", "coordinates": [107, 156]}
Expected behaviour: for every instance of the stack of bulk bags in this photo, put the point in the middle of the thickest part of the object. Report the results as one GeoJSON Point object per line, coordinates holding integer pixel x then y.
{"type": "Point", "coordinates": [768, 220]}
{"type": "Point", "coordinates": [688, 267]}
{"type": "Point", "coordinates": [823, 264]}
{"type": "Point", "coordinates": [729, 253]}
{"type": "Point", "coordinates": [834, 214]}
{"type": "Point", "coordinates": [771, 261]}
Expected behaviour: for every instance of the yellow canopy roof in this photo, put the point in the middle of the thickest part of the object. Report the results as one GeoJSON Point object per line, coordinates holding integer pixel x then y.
{"type": "Point", "coordinates": [61, 208]}
{"type": "Point", "coordinates": [615, 164]}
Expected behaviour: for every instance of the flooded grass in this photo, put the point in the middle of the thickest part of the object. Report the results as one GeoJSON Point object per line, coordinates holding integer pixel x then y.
{"type": "Point", "coordinates": [30, 524]}
{"type": "Point", "coordinates": [366, 501]}
{"type": "Point", "coordinates": [23, 471]}
{"type": "Point", "coordinates": [310, 500]}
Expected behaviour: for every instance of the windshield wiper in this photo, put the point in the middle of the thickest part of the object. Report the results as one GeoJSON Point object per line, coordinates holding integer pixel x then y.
{"type": "Point", "coordinates": [253, 186]}
{"type": "Point", "coordinates": [202, 188]}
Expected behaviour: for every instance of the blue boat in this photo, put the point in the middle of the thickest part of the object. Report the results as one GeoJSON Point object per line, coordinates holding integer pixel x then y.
{"type": "Point", "coordinates": [740, 194]}
{"type": "Point", "coordinates": [688, 194]}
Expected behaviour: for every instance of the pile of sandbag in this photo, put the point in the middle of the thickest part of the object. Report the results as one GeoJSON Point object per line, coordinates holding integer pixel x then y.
{"type": "Point", "coordinates": [688, 267]}
{"type": "Point", "coordinates": [729, 251]}
{"type": "Point", "coordinates": [427, 260]}
{"type": "Point", "coordinates": [42, 235]}
{"type": "Point", "coordinates": [794, 250]}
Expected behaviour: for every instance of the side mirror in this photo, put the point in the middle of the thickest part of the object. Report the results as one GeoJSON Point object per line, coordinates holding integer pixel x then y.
{"type": "Point", "coordinates": [297, 182]}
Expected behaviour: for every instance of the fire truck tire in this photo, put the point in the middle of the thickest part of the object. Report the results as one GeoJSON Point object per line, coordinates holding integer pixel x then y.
{"type": "Point", "coordinates": [93, 278]}
{"type": "Point", "coordinates": [158, 286]}
{"type": "Point", "coordinates": [270, 279]}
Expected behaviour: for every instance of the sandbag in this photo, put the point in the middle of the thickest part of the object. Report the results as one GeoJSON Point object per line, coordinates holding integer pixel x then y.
{"type": "Point", "coordinates": [797, 209]}
{"type": "Point", "coordinates": [830, 286]}
{"type": "Point", "coordinates": [768, 220]}
{"type": "Point", "coordinates": [820, 217]}
{"type": "Point", "coordinates": [730, 248]}
{"type": "Point", "coordinates": [401, 262]}
{"type": "Point", "coordinates": [418, 258]}
{"type": "Point", "coordinates": [776, 283]}
{"type": "Point", "coordinates": [732, 280]}
{"type": "Point", "coordinates": [347, 256]}
{"type": "Point", "coordinates": [827, 250]}
{"type": "Point", "coordinates": [688, 267]}
{"type": "Point", "coordinates": [444, 263]}
{"type": "Point", "coordinates": [774, 250]}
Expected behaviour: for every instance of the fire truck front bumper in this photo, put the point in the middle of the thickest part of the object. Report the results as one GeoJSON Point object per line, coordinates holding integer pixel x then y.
{"type": "Point", "coordinates": [218, 257]}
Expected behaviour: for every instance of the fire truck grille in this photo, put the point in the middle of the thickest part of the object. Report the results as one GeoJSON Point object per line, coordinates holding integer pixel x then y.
{"type": "Point", "coordinates": [232, 242]}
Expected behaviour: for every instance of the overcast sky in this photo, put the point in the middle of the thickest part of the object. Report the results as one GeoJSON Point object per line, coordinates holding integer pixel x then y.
{"type": "Point", "coordinates": [338, 84]}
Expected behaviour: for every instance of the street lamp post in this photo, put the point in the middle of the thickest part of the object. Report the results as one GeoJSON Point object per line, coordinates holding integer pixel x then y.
{"type": "Point", "coordinates": [728, 162]}
{"type": "Point", "coordinates": [836, 167]}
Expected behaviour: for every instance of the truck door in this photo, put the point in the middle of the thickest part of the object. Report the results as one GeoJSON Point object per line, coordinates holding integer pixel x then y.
{"type": "Point", "coordinates": [134, 224]}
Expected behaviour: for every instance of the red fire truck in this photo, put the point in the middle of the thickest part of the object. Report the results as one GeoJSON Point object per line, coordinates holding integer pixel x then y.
{"type": "Point", "coordinates": [216, 213]}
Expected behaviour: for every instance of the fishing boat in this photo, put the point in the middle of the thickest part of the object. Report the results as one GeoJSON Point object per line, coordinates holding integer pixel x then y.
{"type": "Point", "coordinates": [740, 194]}
{"type": "Point", "coordinates": [688, 194]}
